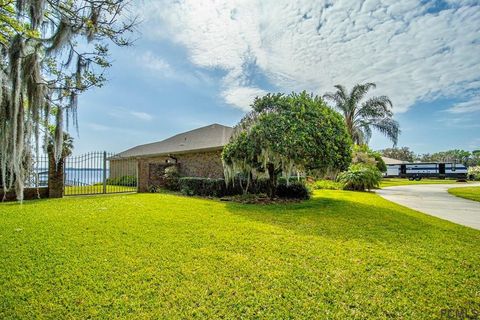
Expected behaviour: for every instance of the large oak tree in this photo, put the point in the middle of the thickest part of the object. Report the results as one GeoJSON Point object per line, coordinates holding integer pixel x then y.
{"type": "Point", "coordinates": [52, 51]}
{"type": "Point", "coordinates": [286, 134]}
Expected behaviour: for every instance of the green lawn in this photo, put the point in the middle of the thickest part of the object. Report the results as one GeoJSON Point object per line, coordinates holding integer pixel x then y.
{"type": "Point", "coordinates": [389, 182]}
{"type": "Point", "coordinates": [472, 193]}
{"type": "Point", "coordinates": [340, 255]}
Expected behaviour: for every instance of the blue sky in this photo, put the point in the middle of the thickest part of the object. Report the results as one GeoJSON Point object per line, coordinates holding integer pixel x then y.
{"type": "Point", "coordinates": [199, 62]}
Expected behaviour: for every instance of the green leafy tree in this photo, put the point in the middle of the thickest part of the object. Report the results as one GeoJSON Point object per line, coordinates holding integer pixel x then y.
{"type": "Point", "coordinates": [456, 155]}
{"type": "Point", "coordinates": [52, 51]}
{"type": "Point", "coordinates": [361, 117]}
{"type": "Point", "coordinates": [284, 134]}
{"type": "Point", "coordinates": [362, 154]}
{"type": "Point", "coordinates": [404, 154]}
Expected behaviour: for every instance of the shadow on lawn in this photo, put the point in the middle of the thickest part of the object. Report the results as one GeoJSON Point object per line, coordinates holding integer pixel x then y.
{"type": "Point", "coordinates": [345, 218]}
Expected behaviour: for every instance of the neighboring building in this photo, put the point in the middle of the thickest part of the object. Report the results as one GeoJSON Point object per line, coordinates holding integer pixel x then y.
{"type": "Point", "coordinates": [393, 166]}
{"type": "Point", "coordinates": [418, 170]}
{"type": "Point", "coordinates": [196, 153]}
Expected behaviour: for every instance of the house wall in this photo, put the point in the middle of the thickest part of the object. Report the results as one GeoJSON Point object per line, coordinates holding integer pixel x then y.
{"type": "Point", "coordinates": [198, 164]}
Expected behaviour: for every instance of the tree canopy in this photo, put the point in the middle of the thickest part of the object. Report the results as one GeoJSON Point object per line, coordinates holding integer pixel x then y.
{"type": "Point", "coordinates": [361, 117]}
{"type": "Point", "coordinates": [455, 155]}
{"type": "Point", "coordinates": [286, 134]}
{"type": "Point", "coordinates": [404, 154]}
{"type": "Point", "coordinates": [52, 51]}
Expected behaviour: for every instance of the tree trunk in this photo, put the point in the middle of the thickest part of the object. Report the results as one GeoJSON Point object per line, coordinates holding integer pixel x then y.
{"type": "Point", "coordinates": [55, 177]}
{"type": "Point", "coordinates": [272, 181]}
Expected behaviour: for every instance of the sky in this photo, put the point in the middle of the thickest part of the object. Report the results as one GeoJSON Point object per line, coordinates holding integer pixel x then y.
{"type": "Point", "coordinates": [197, 62]}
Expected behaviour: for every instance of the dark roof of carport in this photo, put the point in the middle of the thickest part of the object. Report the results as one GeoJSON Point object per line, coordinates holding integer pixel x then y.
{"type": "Point", "coordinates": [212, 137]}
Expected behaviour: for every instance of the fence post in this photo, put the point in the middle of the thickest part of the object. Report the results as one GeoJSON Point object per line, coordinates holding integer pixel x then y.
{"type": "Point", "coordinates": [104, 171]}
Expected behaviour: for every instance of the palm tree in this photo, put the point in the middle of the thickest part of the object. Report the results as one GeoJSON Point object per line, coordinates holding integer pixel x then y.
{"type": "Point", "coordinates": [362, 117]}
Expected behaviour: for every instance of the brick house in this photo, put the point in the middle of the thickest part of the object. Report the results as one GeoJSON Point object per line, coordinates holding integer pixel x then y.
{"type": "Point", "coordinates": [196, 153]}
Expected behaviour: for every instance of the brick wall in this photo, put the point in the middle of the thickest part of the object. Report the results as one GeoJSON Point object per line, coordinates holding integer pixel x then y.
{"type": "Point", "coordinates": [199, 164]}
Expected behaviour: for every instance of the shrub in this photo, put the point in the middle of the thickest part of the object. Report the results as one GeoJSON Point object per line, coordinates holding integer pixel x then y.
{"type": "Point", "coordinates": [205, 187]}
{"type": "Point", "coordinates": [295, 190]}
{"type": "Point", "coordinates": [360, 177]}
{"type": "Point", "coordinates": [171, 178]}
{"type": "Point", "coordinates": [474, 172]}
{"type": "Point", "coordinates": [127, 181]}
{"type": "Point", "coordinates": [362, 154]}
{"type": "Point", "coordinates": [193, 186]}
{"type": "Point", "coordinates": [327, 185]}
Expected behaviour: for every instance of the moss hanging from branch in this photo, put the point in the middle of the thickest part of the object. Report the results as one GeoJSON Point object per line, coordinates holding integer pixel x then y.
{"type": "Point", "coordinates": [287, 135]}
{"type": "Point", "coordinates": [36, 76]}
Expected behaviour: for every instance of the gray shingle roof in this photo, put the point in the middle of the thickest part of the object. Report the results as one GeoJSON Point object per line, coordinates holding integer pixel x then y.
{"type": "Point", "coordinates": [212, 137]}
{"type": "Point", "coordinates": [392, 161]}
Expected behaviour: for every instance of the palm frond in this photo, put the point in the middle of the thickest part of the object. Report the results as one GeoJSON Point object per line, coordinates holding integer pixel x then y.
{"type": "Point", "coordinates": [340, 98]}
{"type": "Point", "coordinates": [360, 90]}
{"type": "Point", "coordinates": [376, 107]}
{"type": "Point", "coordinates": [388, 127]}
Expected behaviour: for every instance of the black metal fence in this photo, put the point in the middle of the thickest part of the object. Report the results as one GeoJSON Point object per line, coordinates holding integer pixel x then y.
{"type": "Point", "coordinates": [37, 175]}
{"type": "Point", "coordinates": [99, 172]}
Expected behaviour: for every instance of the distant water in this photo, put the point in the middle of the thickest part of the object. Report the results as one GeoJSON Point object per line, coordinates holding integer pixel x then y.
{"type": "Point", "coordinates": [76, 177]}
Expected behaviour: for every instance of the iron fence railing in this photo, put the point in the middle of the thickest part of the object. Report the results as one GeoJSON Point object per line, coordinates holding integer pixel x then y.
{"type": "Point", "coordinates": [90, 173]}
{"type": "Point", "coordinates": [99, 172]}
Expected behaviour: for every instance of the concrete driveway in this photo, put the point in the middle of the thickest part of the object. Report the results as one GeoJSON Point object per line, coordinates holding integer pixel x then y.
{"type": "Point", "coordinates": [433, 199]}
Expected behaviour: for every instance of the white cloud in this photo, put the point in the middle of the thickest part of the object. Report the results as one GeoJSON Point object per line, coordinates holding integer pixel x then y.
{"type": "Point", "coordinates": [242, 97]}
{"type": "Point", "coordinates": [466, 107]}
{"type": "Point", "coordinates": [123, 113]}
{"type": "Point", "coordinates": [160, 68]}
{"type": "Point", "coordinates": [142, 115]}
{"type": "Point", "coordinates": [149, 60]}
{"type": "Point", "coordinates": [411, 53]}
{"type": "Point", "coordinates": [98, 127]}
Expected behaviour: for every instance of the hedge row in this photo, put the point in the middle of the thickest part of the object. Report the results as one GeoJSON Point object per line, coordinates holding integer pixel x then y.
{"type": "Point", "coordinates": [218, 188]}
{"type": "Point", "coordinates": [127, 181]}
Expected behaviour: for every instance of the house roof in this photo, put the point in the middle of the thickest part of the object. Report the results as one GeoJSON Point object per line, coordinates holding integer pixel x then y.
{"type": "Point", "coordinates": [208, 138]}
{"type": "Point", "coordinates": [392, 161]}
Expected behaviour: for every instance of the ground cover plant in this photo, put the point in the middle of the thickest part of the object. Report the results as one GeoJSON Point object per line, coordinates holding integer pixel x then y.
{"type": "Point", "coordinates": [326, 185]}
{"type": "Point", "coordinates": [471, 193]}
{"type": "Point", "coordinates": [341, 254]}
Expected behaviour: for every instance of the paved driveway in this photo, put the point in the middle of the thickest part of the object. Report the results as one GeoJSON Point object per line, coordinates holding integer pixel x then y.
{"type": "Point", "coordinates": [433, 199]}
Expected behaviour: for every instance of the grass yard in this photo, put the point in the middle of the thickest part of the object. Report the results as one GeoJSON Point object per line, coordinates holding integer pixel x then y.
{"type": "Point", "coordinates": [340, 255]}
{"type": "Point", "coordinates": [390, 182]}
{"type": "Point", "coordinates": [471, 193]}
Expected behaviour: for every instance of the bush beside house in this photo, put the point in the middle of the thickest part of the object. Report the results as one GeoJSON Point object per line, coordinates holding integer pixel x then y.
{"type": "Point", "coordinates": [194, 186]}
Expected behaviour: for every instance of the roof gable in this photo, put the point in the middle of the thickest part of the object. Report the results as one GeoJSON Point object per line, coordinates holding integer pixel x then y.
{"type": "Point", "coordinates": [211, 137]}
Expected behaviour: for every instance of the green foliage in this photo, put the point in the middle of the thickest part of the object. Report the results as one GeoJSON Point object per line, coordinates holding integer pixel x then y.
{"type": "Point", "coordinates": [361, 117]}
{"type": "Point", "coordinates": [171, 178]}
{"type": "Point", "coordinates": [295, 190]}
{"type": "Point", "coordinates": [456, 155]}
{"type": "Point", "coordinates": [363, 154]}
{"type": "Point", "coordinates": [287, 134]}
{"type": "Point", "coordinates": [205, 187]}
{"type": "Point", "coordinates": [126, 181]}
{"type": "Point", "coordinates": [327, 185]}
{"type": "Point", "coordinates": [470, 193]}
{"type": "Point", "coordinates": [161, 256]}
{"type": "Point", "coordinates": [51, 52]}
{"type": "Point", "coordinates": [360, 177]}
{"type": "Point", "coordinates": [475, 172]}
